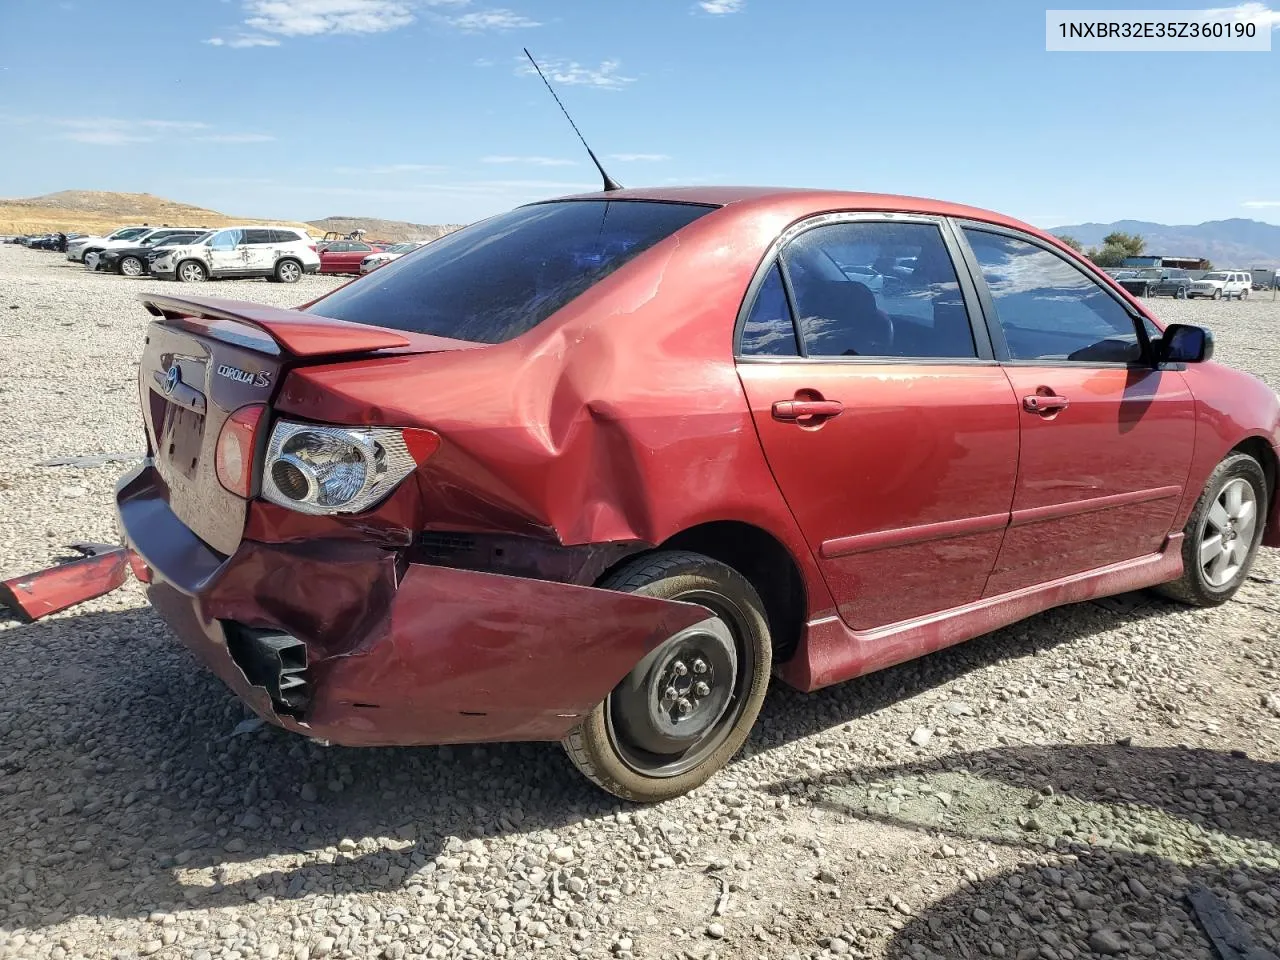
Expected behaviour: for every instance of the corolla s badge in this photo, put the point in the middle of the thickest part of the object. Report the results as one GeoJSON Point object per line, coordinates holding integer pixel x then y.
{"type": "Point", "coordinates": [171, 379]}
{"type": "Point", "coordinates": [244, 376]}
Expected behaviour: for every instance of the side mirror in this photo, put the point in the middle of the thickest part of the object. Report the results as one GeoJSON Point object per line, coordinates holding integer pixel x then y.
{"type": "Point", "coordinates": [1184, 343]}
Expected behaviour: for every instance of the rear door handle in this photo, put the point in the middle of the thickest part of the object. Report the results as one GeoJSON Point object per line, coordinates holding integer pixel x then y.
{"type": "Point", "coordinates": [794, 410]}
{"type": "Point", "coordinates": [1043, 403]}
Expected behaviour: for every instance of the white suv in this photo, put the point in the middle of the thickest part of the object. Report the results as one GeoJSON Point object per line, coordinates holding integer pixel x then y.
{"type": "Point", "coordinates": [1218, 284]}
{"type": "Point", "coordinates": [282, 254]}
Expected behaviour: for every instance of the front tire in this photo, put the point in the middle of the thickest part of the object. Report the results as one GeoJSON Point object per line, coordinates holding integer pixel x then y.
{"type": "Point", "coordinates": [192, 271]}
{"type": "Point", "coordinates": [131, 267]}
{"type": "Point", "coordinates": [1222, 534]}
{"type": "Point", "coordinates": [687, 707]}
{"type": "Point", "coordinates": [1217, 294]}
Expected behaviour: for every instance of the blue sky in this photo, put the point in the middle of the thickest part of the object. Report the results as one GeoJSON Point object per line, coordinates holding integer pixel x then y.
{"type": "Point", "coordinates": [423, 109]}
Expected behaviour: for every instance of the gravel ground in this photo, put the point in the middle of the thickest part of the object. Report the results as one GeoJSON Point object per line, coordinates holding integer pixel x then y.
{"type": "Point", "coordinates": [1049, 791]}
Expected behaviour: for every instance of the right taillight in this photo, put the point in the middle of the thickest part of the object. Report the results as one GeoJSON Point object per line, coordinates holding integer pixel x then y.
{"type": "Point", "coordinates": [322, 469]}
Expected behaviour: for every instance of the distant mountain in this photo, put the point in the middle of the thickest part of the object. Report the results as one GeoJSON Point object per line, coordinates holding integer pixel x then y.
{"type": "Point", "coordinates": [1228, 243]}
{"type": "Point", "coordinates": [98, 211]}
{"type": "Point", "coordinates": [376, 229]}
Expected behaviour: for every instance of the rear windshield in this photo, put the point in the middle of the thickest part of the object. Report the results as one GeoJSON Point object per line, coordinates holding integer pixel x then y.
{"type": "Point", "coordinates": [502, 277]}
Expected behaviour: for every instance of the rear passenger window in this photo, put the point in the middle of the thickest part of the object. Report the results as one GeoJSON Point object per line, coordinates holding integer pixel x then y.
{"type": "Point", "coordinates": [768, 331]}
{"type": "Point", "coordinates": [877, 289]}
{"type": "Point", "coordinates": [1049, 309]}
{"type": "Point", "coordinates": [257, 236]}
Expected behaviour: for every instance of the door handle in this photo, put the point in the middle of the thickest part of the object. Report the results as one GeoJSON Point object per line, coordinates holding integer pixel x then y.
{"type": "Point", "coordinates": [811, 410]}
{"type": "Point", "coordinates": [1045, 403]}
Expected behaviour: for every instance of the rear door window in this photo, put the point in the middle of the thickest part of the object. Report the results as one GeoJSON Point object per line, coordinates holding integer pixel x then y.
{"type": "Point", "coordinates": [877, 289]}
{"type": "Point", "coordinates": [258, 236]}
{"type": "Point", "coordinates": [500, 278]}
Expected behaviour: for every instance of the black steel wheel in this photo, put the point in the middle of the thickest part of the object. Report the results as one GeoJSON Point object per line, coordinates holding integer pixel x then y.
{"type": "Point", "coordinates": [685, 709]}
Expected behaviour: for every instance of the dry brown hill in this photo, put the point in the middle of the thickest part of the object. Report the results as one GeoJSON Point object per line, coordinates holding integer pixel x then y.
{"type": "Point", "coordinates": [376, 229]}
{"type": "Point", "coordinates": [100, 211]}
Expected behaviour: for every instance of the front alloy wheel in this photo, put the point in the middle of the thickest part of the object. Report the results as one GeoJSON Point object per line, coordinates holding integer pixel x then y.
{"type": "Point", "coordinates": [1222, 534]}
{"type": "Point", "coordinates": [131, 267]}
{"type": "Point", "coordinates": [192, 271]}
{"type": "Point", "coordinates": [685, 709]}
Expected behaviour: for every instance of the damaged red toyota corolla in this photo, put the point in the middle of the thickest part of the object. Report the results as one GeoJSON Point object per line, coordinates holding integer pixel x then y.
{"type": "Point", "coordinates": [595, 469]}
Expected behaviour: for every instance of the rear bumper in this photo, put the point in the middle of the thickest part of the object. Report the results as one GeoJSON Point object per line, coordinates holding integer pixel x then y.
{"type": "Point", "coordinates": [395, 652]}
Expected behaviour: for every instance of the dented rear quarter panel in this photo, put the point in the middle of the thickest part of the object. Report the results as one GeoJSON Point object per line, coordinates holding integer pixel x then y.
{"type": "Point", "coordinates": [621, 418]}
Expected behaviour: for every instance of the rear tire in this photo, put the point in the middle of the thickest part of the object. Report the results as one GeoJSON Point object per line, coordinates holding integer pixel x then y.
{"type": "Point", "coordinates": [191, 271]}
{"type": "Point", "coordinates": [1182, 293]}
{"type": "Point", "coordinates": [287, 271]}
{"type": "Point", "coordinates": [632, 744]}
{"type": "Point", "coordinates": [1222, 534]}
{"type": "Point", "coordinates": [1244, 294]}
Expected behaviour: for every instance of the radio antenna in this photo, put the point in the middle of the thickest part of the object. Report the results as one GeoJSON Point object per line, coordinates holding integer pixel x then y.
{"type": "Point", "coordinates": [610, 184]}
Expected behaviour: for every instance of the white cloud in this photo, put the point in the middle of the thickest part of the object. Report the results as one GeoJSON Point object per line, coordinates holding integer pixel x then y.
{"type": "Point", "coordinates": [114, 132]}
{"type": "Point", "coordinates": [235, 138]}
{"type": "Point", "coordinates": [1258, 13]}
{"type": "Point", "coordinates": [1260, 204]}
{"type": "Point", "coordinates": [531, 161]}
{"type": "Point", "coordinates": [571, 73]}
{"type": "Point", "coordinates": [391, 168]}
{"type": "Point", "coordinates": [105, 137]}
{"type": "Point", "coordinates": [492, 20]}
{"type": "Point", "coordinates": [117, 131]}
{"type": "Point", "coordinates": [639, 157]}
{"type": "Point", "coordinates": [310, 18]}
{"type": "Point", "coordinates": [242, 42]}
{"type": "Point", "coordinates": [721, 7]}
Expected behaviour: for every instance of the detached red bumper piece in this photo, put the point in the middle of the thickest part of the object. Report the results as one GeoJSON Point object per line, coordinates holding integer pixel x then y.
{"type": "Point", "coordinates": [344, 641]}
{"type": "Point", "coordinates": [100, 570]}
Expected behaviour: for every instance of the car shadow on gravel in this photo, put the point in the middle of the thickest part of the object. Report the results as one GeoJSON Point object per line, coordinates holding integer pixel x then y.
{"type": "Point", "coordinates": [127, 789]}
{"type": "Point", "coordinates": [1110, 841]}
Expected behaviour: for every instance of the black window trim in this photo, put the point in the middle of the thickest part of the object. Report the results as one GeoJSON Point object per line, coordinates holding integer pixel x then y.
{"type": "Point", "coordinates": [978, 328]}
{"type": "Point", "coordinates": [992, 321]}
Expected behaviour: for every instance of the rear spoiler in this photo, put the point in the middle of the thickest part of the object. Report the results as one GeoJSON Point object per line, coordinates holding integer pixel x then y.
{"type": "Point", "coordinates": [298, 333]}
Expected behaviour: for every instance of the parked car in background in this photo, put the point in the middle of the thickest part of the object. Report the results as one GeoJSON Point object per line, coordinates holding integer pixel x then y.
{"type": "Point", "coordinates": [281, 254]}
{"type": "Point", "coordinates": [152, 236]}
{"type": "Point", "coordinates": [393, 252]}
{"type": "Point", "coordinates": [597, 469]}
{"type": "Point", "coordinates": [135, 260]}
{"type": "Point", "coordinates": [1157, 282]}
{"type": "Point", "coordinates": [1222, 284]}
{"type": "Point", "coordinates": [83, 246]}
{"type": "Point", "coordinates": [344, 256]}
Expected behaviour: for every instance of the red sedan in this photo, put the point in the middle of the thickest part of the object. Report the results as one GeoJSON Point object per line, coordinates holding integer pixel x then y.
{"type": "Point", "coordinates": [596, 469]}
{"type": "Point", "coordinates": [344, 256]}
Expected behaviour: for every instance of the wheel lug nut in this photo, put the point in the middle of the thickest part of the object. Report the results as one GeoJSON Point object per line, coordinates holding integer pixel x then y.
{"type": "Point", "coordinates": [700, 666]}
{"type": "Point", "coordinates": [679, 669]}
{"type": "Point", "coordinates": [700, 689]}
{"type": "Point", "coordinates": [670, 694]}
{"type": "Point", "coordinates": [684, 707]}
